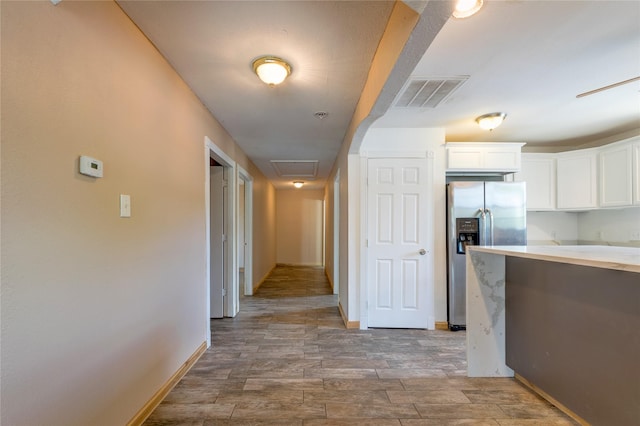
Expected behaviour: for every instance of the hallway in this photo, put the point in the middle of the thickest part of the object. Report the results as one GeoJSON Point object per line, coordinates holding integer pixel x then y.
{"type": "Point", "coordinates": [286, 359]}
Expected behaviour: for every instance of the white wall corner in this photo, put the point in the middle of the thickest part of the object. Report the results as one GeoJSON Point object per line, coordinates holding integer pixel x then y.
{"type": "Point", "coordinates": [353, 238]}
{"type": "Point", "coordinates": [362, 244]}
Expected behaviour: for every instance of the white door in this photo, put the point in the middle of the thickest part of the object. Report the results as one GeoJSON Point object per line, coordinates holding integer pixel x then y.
{"type": "Point", "coordinates": [397, 243]}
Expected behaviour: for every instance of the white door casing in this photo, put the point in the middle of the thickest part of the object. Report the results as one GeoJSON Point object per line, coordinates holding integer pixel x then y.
{"type": "Point", "coordinates": [230, 259]}
{"type": "Point", "coordinates": [336, 233]}
{"type": "Point", "coordinates": [398, 243]}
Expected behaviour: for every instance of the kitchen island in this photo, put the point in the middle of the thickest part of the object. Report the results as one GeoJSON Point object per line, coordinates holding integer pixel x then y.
{"type": "Point", "coordinates": [565, 320]}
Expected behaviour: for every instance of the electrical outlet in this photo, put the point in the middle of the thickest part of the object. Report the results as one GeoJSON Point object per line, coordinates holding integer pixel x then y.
{"type": "Point", "coordinates": [634, 235]}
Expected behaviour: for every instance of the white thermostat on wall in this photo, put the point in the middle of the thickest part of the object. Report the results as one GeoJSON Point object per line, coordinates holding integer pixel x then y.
{"type": "Point", "coordinates": [90, 166]}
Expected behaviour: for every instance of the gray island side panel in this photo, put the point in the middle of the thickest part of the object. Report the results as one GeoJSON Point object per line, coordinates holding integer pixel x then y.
{"type": "Point", "coordinates": [574, 332]}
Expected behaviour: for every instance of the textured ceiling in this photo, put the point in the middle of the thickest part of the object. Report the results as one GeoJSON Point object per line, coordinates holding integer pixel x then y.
{"type": "Point", "coordinates": [526, 58]}
{"type": "Point", "coordinates": [530, 59]}
{"type": "Point", "coordinates": [329, 44]}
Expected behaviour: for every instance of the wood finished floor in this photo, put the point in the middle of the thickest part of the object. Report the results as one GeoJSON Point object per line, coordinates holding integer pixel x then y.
{"type": "Point", "coordinates": [287, 359]}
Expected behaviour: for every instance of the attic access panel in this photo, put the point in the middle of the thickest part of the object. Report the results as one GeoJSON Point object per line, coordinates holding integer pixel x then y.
{"type": "Point", "coordinates": [295, 168]}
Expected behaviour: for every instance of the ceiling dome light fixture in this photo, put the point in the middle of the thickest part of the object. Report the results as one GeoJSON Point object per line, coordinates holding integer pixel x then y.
{"type": "Point", "coordinates": [491, 121]}
{"type": "Point", "coordinates": [466, 8]}
{"type": "Point", "coordinates": [271, 70]}
{"type": "Point", "coordinates": [298, 184]}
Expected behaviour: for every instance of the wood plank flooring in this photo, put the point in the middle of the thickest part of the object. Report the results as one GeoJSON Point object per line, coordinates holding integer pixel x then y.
{"type": "Point", "coordinates": [287, 359]}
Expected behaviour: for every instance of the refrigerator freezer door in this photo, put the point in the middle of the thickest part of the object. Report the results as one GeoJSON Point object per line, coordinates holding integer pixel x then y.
{"type": "Point", "coordinates": [464, 200]}
{"type": "Point", "coordinates": [505, 208]}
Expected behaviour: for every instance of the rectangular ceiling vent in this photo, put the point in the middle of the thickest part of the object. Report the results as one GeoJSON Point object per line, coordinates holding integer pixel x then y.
{"type": "Point", "coordinates": [296, 168]}
{"type": "Point", "coordinates": [428, 92]}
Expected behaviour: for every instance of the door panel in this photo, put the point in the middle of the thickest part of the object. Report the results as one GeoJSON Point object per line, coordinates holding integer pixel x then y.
{"type": "Point", "coordinates": [383, 280]}
{"type": "Point", "coordinates": [397, 272]}
{"type": "Point", "coordinates": [506, 202]}
{"type": "Point", "coordinates": [384, 234]}
{"type": "Point", "coordinates": [465, 200]}
{"type": "Point", "coordinates": [409, 284]}
{"type": "Point", "coordinates": [410, 219]}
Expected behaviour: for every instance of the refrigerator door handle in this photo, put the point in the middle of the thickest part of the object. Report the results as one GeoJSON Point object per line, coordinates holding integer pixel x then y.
{"type": "Point", "coordinates": [490, 223]}
{"type": "Point", "coordinates": [483, 225]}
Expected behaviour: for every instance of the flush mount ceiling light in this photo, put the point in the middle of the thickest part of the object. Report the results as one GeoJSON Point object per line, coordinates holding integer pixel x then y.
{"type": "Point", "coordinates": [491, 121]}
{"type": "Point", "coordinates": [271, 70]}
{"type": "Point", "coordinates": [466, 8]}
{"type": "Point", "coordinates": [298, 184]}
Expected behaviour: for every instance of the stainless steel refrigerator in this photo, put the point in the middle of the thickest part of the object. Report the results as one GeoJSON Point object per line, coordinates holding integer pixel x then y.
{"type": "Point", "coordinates": [479, 213]}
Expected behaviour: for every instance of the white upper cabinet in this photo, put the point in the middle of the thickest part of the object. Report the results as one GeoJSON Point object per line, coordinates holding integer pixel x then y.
{"type": "Point", "coordinates": [636, 172]}
{"type": "Point", "coordinates": [577, 175]}
{"type": "Point", "coordinates": [584, 179]}
{"type": "Point", "coordinates": [539, 172]}
{"type": "Point", "coordinates": [498, 157]}
{"type": "Point", "coordinates": [616, 175]}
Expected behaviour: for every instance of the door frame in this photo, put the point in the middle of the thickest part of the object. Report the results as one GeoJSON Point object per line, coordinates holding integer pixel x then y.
{"type": "Point", "coordinates": [211, 150]}
{"type": "Point", "coordinates": [244, 176]}
{"type": "Point", "coordinates": [429, 156]}
{"type": "Point", "coordinates": [336, 233]}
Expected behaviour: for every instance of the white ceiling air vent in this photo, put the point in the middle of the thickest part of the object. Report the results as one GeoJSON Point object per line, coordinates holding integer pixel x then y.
{"type": "Point", "coordinates": [296, 168]}
{"type": "Point", "coordinates": [427, 92]}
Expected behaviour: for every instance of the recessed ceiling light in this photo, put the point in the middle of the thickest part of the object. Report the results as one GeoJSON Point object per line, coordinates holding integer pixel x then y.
{"type": "Point", "coordinates": [491, 121]}
{"type": "Point", "coordinates": [466, 8]}
{"type": "Point", "coordinates": [271, 70]}
{"type": "Point", "coordinates": [298, 184]}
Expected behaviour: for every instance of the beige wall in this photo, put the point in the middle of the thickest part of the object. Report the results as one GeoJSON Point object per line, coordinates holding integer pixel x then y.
{"type": "Point", "coordinates": [99, 311]}
{"type": "Point", "coordinates": [329, 249]}
{"type": "Point", "coordinates": [299, 226]}
{"type": "Point", "coordinates": [264, 227]}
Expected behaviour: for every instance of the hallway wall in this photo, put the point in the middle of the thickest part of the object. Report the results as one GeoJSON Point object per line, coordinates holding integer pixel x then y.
{"type": "Point", "coordinates": [299, 226]}
{"type": "Point", "coordinates": [99, 311]}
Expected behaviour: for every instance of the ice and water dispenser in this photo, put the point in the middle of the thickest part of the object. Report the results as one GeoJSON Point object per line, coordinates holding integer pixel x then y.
{"type": "Point", "coordinates": [467, 233]}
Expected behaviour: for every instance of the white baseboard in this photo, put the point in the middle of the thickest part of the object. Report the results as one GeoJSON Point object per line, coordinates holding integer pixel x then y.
{"type": "Point", "coordinates": [146, 410]}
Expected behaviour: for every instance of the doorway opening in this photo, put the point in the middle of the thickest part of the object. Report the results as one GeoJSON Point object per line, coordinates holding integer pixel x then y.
{"type": "Point", "coordinates": [220, 235]}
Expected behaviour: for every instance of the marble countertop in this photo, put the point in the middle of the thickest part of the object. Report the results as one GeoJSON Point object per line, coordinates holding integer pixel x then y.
{"type": "Point", "coordinates": [609, 257]}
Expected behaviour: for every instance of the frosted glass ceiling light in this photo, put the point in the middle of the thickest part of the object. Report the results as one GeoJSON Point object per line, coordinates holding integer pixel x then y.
{"type": "Point", "coordinates": [491, 121]}
{"type": "Point", "coordinates": [466, 8]}
{"type": "Point", "coordinates": [271, 70]}
{"type": "Point", "coordinates": [298, 184]}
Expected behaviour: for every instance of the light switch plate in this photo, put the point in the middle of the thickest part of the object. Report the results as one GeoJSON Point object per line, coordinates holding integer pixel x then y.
{"type": "Point", "coordinates": [125, 205]}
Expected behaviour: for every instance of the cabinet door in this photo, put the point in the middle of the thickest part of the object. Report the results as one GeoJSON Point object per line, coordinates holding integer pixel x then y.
{"type": "Point", "coordinates": [576, 180]}
{"type": "Point", "coordinates": [539, 172]}
{"type": "Point", "coordinates": [505, 159]}
{"type": "Point", "coordinates": [502, 157]}
{"type": "Point", "coordinates": [636, 173]}
{"type": "Point", "coordinates": [616, 176]}
{"type": "Point", "coordinates": [468, 158]}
